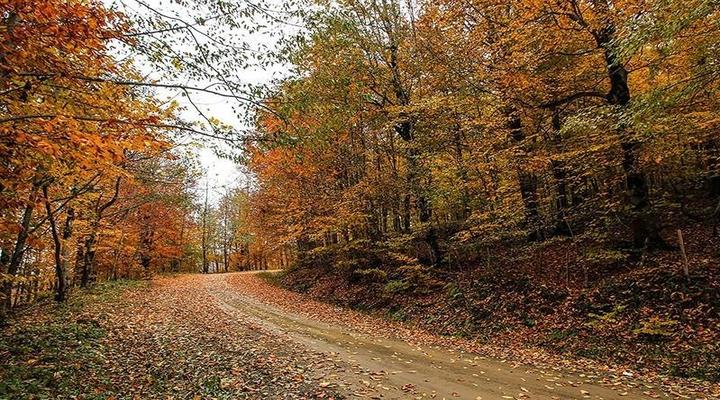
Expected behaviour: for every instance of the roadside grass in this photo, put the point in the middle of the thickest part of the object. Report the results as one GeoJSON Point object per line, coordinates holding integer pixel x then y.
{"type": "Point", "coordinates": [272, 277]}
{"type": "Point", "coordinates": [47, 351]}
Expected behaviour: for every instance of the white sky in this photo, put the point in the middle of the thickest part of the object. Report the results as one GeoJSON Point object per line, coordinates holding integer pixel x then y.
{"type": "Point", "coordinates": [221, 173]}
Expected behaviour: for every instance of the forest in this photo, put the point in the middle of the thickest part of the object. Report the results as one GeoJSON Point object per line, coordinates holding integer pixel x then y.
{"type": "Point", "coordinates": [534, 175]}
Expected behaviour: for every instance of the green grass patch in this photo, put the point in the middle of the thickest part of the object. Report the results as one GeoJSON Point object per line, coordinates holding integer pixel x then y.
{"type": "Point", "coordinates": [102, 292]}
{"type": "Point", "coordinates": [397, 286]}
{"type": "Point", "coordinates": [44, 360]}
{"type": "Point", "coordinates": [397, 314]}
{"type": "Point", "coordinates": [272, 277]}
{"type": "Point", "coordinates": [49, 355]}
{"type": "Point", "coordinates": [560, 335]}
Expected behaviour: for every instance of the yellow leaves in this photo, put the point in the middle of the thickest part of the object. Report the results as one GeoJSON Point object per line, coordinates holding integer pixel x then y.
{"type": "Point", "coordinates": [16, 279]}
{"type": "Point", "coordinates": [214, 121]}
{"type": "Point", "coordinates": [177, 64]}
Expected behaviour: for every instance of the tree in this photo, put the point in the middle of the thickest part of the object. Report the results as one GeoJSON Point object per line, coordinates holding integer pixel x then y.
{"type": "Point", "coordinates": [71, 132]}
{"type": "Point", "coordinates": [501, 120]}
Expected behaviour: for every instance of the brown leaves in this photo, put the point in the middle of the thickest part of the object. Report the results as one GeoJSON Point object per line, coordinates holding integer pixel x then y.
{"type": "Point", "coordinates": [510, 350]}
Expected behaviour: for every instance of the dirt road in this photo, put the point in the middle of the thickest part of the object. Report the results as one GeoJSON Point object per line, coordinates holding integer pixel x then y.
{"type": "Point", "coordinates": [234, 336]}
{"type": "Point", "coordinates": [374, 366]}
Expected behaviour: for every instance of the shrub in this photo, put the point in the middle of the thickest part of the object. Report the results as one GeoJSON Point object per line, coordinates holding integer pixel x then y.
{"type": "Point", "coordinates": [372, 275]}
{"type": "Point", "coordinates": [453, 292]}
{"type": "Point", "coordinates": [656, 327]}
{"type": "Point", "coordinates": [397, 286]}
{"type": "Point", "coordinates": [601, 321]}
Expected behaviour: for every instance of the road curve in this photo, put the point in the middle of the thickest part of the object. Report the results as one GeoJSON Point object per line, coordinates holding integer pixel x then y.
{"type": "Point", "coordinates": [372, 366]}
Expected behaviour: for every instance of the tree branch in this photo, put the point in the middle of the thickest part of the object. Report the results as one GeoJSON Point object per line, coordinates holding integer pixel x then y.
{"type": "Point", "coordinates": [120, 121]}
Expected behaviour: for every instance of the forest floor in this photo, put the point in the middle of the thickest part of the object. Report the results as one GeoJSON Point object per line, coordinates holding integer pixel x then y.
{"type": "Point", "coordinates": [237, 336]}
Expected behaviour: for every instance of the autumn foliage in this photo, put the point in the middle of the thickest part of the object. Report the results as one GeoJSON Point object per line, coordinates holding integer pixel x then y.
{"type": "Point", "coordinates": [90, 187]}
{"type": "Point", "coordinates": [526, 171]}
{"type": "Point", "coordinates": [504, 168]}
{"type": "Point", "coordinates": [458, 126]}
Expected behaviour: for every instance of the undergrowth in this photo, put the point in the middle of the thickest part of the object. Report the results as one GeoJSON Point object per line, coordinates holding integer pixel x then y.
{"type": "Point", "coordinates": [44, 350]}
{"type": "Point", "coordinates": [623, 309]}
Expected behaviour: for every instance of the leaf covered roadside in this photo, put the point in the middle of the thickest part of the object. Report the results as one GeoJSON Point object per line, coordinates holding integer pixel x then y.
{"type": "Point", "coordinates": [514, 350]}
{"type": "Point", "coordinates": [132, 341]}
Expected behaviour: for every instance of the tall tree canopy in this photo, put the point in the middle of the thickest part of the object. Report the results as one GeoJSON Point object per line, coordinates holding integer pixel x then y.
{"type": "Point", "coordinates": [82, 152]}
{"type": "Point", "coordinates": [466, 123]}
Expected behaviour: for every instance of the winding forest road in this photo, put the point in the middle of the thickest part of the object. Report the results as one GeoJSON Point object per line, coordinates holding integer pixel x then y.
{"type": "Point", "coordinates": [373, 365]}
{"type": "Point", "coordinates": [235, 336]}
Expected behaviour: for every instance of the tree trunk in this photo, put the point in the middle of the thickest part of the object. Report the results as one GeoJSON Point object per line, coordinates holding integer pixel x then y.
{"type": "Point", "coordinates": [88, 259]}
{"type": "Point", "coordinates": [145, 251]}
{"type": "Point", "coordinates": [225, 257]}
{"type": "Point", "coordinates": [61, 253]}
{"type": "Point", "coordinates": [462, 174]}
{"type": "Point", "coordinates": [528, 191]}
{"type": "Point", "coordinates": [559, 171]}
{"type": "Point", "coordinates": [527, 181]}
{"type": "Point", "coordinates": [88, 270]}
{"type": "Point", "coordinates": [204, 243]}
{"type": "Point", "coordinates": [645, 231]}
{"type": "Point", "coordinates": [18, 250]}
{"type": "Point", "coordinates": [405, 218]}
{"type": "Point", "coordinates": [116, 256]}
{"type": "Point", "coordinates": [79, 259]}
{"type": "Point", "coordinates": [422, 205]}
{"type": "Point", "coordinates": [182, 247]}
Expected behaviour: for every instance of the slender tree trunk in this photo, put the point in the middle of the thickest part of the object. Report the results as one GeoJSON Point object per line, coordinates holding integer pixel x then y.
{"type": "Point", "coordinates": [182, 246]}
{"type": "Point", "coordinates": [79, 259]}
{"type": "Point", "coordinates": [225, 256]}
{"type": "Point", "coordinates": [67, 234]}
{"type": "Point", "coordinates": [88, 270]}
{"type": "Point", "coordinates": [405, 218]}
{"type": "Point", "coordinates": [18, 250]}
{"type": "Point", "coordinates": [527, 180]}
{"type": "Point", "coordinates": [559, 171]}
{"type": "Point", "coordinates": [205, 264]}
{"type": "Point", "coordinates": [146, 242]}
{"type": "Point", "coordinates": [88, 258]}
{"type": "Point", "coordinates": [116, 257]}
{"type": "Point", "coordinates": [60, 253]}
{"type": "Point", "coordinates": [462, 174]}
